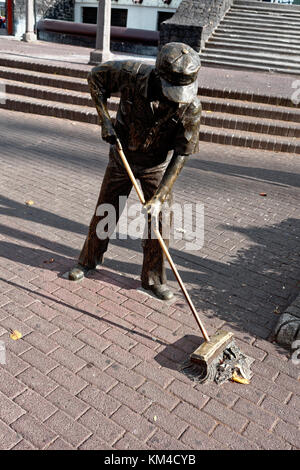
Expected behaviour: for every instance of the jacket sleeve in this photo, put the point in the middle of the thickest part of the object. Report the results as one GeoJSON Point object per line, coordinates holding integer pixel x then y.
{"type": "Point", "coordinates": [108, 78]}
{"type": "Point", "coordinates": [187, 137]}
{"type": "Point", "coordinates": [105, 79]}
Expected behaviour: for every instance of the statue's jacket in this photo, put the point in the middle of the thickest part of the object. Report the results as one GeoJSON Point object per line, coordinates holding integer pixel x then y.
{"type": "Point", "coordinates": [147, 132]}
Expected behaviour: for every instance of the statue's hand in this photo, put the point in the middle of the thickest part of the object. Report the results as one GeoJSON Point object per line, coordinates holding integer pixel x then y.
{"type": "Point", "coordinates": [108, 133]}
{"type": "Point", "coordinates": [153, 207]}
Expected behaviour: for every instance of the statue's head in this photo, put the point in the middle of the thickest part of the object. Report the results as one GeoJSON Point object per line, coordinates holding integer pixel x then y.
{"type": "Point", "coordinates": [177, 65]}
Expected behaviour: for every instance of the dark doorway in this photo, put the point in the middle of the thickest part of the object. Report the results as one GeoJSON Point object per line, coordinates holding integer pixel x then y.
{"type": "Point", "coordinates": [89, 15]}
{"type": "Point", "coordinates": [119, 17]}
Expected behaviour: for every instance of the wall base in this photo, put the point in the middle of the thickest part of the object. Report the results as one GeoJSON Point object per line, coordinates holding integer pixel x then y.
{"type": "Point", "coordinates": [29, 37]}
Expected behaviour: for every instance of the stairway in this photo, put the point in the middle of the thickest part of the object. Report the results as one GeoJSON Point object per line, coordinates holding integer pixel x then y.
{"type": "Point", "coordinates": [256, 35]}
{"type": "Point", "coordinates": [229, 117]}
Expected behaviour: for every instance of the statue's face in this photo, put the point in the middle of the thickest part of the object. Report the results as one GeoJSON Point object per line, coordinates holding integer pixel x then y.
{"type": "Point", "coordinates": [156, 93]}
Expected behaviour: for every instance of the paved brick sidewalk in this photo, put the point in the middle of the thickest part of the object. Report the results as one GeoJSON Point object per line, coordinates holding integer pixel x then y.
{"type": "Point", "coordinates": [96, 367]}
{"type": "Point", "coordinates": [53, 52]}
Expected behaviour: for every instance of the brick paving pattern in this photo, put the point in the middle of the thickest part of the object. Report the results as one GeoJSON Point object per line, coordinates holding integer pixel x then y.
{"type": "Point", "coordinates": [96, 367]}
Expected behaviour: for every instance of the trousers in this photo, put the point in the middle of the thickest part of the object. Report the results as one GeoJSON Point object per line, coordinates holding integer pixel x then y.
{"type": "Point", "coordinates": [116, 183]}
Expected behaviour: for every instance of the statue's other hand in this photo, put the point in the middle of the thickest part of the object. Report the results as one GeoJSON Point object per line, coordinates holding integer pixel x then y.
{"type": "Point", "coordinates": [108, 133]}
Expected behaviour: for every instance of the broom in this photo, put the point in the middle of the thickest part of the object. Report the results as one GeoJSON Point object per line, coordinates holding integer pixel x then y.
{"type": "Point", "coordinates": [218, 358]}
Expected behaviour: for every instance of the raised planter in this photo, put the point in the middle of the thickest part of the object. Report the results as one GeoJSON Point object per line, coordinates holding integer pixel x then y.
{"type": "Point", "coordinates": [193, 22]}
{"type": "Point", "coordinates": [137, 41]}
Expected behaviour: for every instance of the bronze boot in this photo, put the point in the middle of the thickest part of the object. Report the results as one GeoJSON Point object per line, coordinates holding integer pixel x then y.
{"type": "Point", "coordinates": [78, 272]}
{"type": "Point", "coordinates": [161, 291]}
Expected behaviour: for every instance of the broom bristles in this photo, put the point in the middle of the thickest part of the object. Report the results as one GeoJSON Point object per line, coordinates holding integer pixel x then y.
{"type": "Point", "coordinates": [231, 361]}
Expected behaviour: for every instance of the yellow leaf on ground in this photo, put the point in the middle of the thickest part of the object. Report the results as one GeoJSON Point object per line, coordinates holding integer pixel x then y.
{"type": "Point", "coordinates": [15, 335]}
{"type": "Point", "coordinates": [29, 203]}
{"type": "Point", "coordinates": [237, 378]}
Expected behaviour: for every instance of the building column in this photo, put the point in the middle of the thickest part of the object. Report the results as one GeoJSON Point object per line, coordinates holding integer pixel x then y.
{"type": "Point", "coordinates": [29, 35]}
{"type": "Point", "coordinates": [102, 51]}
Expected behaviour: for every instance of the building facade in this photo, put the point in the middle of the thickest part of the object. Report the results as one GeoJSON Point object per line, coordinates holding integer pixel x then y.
{"type": "Point", "coordinates": [137, 14]}
{"type": "Point", "coordinates": [141, 14]}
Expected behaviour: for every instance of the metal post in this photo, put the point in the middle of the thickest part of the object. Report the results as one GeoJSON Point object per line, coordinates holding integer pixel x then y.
{"type": "Point", "coordinates": [29, 35]}
{"type": "Point", "coordinates": [102, 51]}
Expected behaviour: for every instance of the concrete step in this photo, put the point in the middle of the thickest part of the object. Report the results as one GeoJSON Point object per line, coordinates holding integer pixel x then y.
{"type": "Point", "coordinates": [44, 66]}
{"type": "Point", "coordinates": [266, 11]}
{"type": "Point", "coordinates": [293, 9]}
{"type": "Point", "coordinates": [254, 39]}
{"type": "Point", "coordinates": [279, 59]}
{"type": "Point", "coordinates": [244, 108]}
{"type": "Point", "coordinates": [45, 79]}
{"type": "Point", "coordinates": [261, 15]}
{"type": "Point", "coordinates": [247, 97]}
{"type": "Point", "coordinates": [267, 6]}
{"type": "Point", "coordinates": [75, 91]}
{"type": "Point", "coordinates": [260, 11]}
{"type": "Point", "coordinates": [250, 124]}
{"type": "Point", "coordinates": [84, 99]}
{"type": "Point", "coordinates": [50, 108]}
{"type": "Point", "coordinates": [52, 94]}
{"type": "Point", "coordinates": [244, 44]}
{"type": "Point", "coordinates": [250, 139]}
{"type": "Point", "coordinates": [224, 101]}
{"type": "Point", "coordinates": [268, 37]}
{"type": "Point", "coordinates": [207, 133]}
{"type": "Point", "coordinates": [48, 93]}
{"type": "Point", "coordinates": [263, 63]}
{"type": "Point", "coordinates": [252, 26]}
{"type": "Point", "coordinates": [279, 21]}
{"type": "Point", "coordinates": [228, 63]}
{"type": "Point", "coordinates": [63, 92]}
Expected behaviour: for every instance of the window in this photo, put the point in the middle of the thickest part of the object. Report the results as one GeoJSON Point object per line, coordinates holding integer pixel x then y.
{"type": "Point", "coordinates": [119, 17]}
{"type": "Point", "coordinates": [163, 16]}
{"type": "Point", "coordinates": [89, 15]}
{"type": "Point", "coordinates": [2, 9]}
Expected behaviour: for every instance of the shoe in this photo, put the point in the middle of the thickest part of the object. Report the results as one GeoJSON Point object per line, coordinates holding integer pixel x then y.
{"type": "Point", "coordinates": [78, 272]}
{"type": "Point", "coordinates": [161, 291]}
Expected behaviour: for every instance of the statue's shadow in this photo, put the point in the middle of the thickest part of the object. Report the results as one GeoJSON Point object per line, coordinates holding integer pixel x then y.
{"type": "Point", "coordinates": [175, 354]}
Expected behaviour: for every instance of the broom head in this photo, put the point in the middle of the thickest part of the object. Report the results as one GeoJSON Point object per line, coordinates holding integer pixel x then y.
{"type": "Point", "coordinates": [210, 350]}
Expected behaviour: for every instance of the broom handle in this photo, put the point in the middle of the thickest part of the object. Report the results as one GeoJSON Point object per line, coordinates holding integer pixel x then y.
{"type": "Point", "coordinates": [162, 243]}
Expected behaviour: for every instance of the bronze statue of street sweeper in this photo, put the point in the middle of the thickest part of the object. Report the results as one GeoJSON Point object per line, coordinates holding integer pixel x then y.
{"type": "Point", "coordinates": [157, 123]}
{"type": "Point", "coordinates": [157, 128]}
